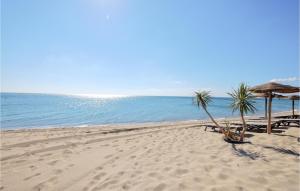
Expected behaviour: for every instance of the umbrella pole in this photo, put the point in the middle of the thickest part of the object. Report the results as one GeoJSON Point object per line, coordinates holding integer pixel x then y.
{"type": "Point", "coordinates": [269, 128]}
{"type": "Point", "coordinates": [266, 107]}
{"type": "Point", "coordinates": [293, 108]}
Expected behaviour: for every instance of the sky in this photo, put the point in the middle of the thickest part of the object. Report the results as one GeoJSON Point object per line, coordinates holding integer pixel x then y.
{"type": "Point", "coordinates": [139, 47]}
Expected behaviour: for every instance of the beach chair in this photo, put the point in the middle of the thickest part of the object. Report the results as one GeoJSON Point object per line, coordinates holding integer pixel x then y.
{"type": "Point", "coordinates": [258, 125]}
{"type": "Point", "coordinates": [287, 117]}
{"type": "Point", "coordinates": [212, 126]}
{"type": "Point", "coordinates": [236, 128]}
{"type": "Point", "coordinates": [287, 121]}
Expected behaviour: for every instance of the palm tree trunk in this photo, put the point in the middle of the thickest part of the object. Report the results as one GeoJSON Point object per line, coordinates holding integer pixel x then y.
{"type": "Point", "coordinates": [244, 127]}
{"type": "Point", "coordinates": [212, 119]}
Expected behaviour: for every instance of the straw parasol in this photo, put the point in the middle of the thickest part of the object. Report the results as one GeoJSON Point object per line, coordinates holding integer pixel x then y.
{"type": "Point", "coordinates": [266, 95]}
{"type": "Point", "coordinates": [293, 98]}
{"type": "Point", "coordinates": [270, 88]}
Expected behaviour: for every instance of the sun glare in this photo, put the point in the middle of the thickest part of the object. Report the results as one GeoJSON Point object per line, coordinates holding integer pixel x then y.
{"type": "Point", "coordinates": [106, 96]}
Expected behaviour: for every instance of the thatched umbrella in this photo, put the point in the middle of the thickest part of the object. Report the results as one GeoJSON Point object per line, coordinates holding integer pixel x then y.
{"type": "Point", "coordinates": [266, 95]}
{"type": "Point", "coordinates": [293, 98]}
{"type": "Point", "coordinates": [270, 88]}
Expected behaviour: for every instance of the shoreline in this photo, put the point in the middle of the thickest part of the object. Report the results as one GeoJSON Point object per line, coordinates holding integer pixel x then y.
{"type": "Point", "coordinates": [136, 124]}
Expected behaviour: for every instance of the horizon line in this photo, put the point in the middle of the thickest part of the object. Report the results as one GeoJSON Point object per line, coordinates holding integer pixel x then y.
{"type": "Point", "coordinates": [95, 95]}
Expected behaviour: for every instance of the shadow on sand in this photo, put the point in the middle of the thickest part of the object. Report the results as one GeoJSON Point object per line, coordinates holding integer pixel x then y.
{"type": "Point", "coordinates": [283, 135]}
{"type": "Point", "coordinates": [282, 150]}
{"type": "Point", "coordinates": [244, 153]}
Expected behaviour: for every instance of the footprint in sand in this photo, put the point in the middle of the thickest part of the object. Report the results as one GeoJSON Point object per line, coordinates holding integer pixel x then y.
{"type": "Point", "coordinates": [181, 186]}
{"type": "Point", "coordinates": [181, 171]}
{"type": "Point", "coordinates": [99, 176]}
{"type": "Point", "coordinates": [96, 189]}
{"type": "Point", "coordinates": [20, 161]}
{"type": "Point", "coordinates": [53, 162]}
{"type": "Point", "coordinates": [69, 166]}
{"type": "Point", "coordinates": [104, 185]}
{"type": "Point", "coordinates": [223, 176]}
{"type": "Point", "coordinates": [167, 168]}
{"type": "Point", "coordinates": [48, 154]}
{"type": "Point", "coordinates": [39, 187]}
{"type": "Point", "coordinates": [67, 151]}
{"type": "Point", "coordinates": [274, 172]}
{"type": "Point", "coordinates": [125, 186]}
{"type": "Point", "coordinates": [152, 174]}
{"type": "Point", "coordinates": [53, 179]}
{"type": "Point", "coordinates": [107, 156]}
{"type": "Point", "coordinates": [160, 187]}
{"type": "Point", "coordinates": [58, 171]}
{"type": "Point", "coordinates": [259, 179]}
{"type": "Point", "coordinates": [133, 156]}
{"type": "Point", "coordinates": [208, 168]}
{"type": "Point", "coordinates": [45, 185]}
{"type": "Point", "coordinates": [91, 183]}
{"type": "Point", "coordinates": [29, 177]}
{"type": "Point", "coordinates": [197, 179]}
{"type": "Point", "coordinates": [32, 167]}
{"type": "Point", "coordinates": [138, 172]}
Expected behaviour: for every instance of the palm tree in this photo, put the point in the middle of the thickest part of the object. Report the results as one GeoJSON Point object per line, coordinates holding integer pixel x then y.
{"type": "Point", "coordinates": [242, 101]}
{"type": "Point", "coordinates": [202, 99]}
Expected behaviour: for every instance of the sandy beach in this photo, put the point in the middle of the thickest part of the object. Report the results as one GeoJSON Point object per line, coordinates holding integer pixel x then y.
{"type": "Point", "coordinates": [151, 156]}
{"type": "Point", "coordinates": [117, 95]}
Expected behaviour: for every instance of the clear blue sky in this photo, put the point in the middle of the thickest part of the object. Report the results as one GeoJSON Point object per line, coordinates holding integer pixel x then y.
{"type": "Point", "coordinates": [139, 47]}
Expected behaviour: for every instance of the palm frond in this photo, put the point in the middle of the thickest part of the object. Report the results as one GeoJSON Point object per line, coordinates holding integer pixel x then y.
{"type": "Point", "coordinates": [202, 98]}
{"type": "Point", "coordinates": [242, 100]}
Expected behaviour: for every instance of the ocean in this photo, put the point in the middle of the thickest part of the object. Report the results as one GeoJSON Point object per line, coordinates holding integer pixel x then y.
{"type": "Point", "coordinates": [25, 110]}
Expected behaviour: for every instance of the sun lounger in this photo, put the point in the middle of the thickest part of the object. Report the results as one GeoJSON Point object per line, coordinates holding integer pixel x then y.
{"type": "Point", "coordinates": [287, 122]}
{"type": "Point", "coordinates": [253, 124]}
{"type": "Point", "coordinates": [288, 117]}
{"type": "Point", "coordinates": [257, 125]}
{"type": "Point", "coordinates": [211, 125]}
{"type": "Point", "coordinates": [236, 128]}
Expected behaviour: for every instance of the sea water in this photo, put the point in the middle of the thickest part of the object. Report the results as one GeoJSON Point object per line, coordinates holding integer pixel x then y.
{"type": "Point", "coordinates": [24, 110]}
